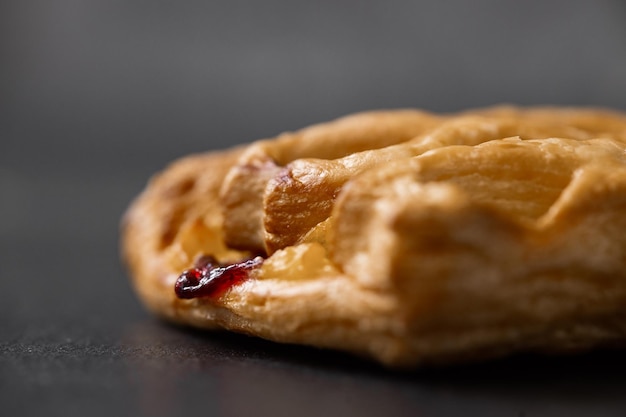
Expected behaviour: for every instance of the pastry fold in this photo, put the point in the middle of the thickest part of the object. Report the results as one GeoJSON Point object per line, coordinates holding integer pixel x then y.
{"type": "Point", "coordinates": [404, 236]}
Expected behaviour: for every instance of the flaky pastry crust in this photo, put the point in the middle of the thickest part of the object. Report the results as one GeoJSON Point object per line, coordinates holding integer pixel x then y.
{"type": "Point", "coordinates": [408, 237]}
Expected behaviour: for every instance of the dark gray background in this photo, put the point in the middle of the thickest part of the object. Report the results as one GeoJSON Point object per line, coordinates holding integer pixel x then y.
{"type": "Point", "coordinates": [95, 96]}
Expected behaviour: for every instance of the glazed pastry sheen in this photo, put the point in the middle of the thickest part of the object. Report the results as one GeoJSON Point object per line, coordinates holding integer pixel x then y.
{"type": "Point", "coordinates": [404, 236]}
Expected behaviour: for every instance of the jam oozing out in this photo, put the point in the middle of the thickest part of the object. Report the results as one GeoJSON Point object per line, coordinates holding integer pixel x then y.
{"type": "Point", "coordinates": [209, 278]}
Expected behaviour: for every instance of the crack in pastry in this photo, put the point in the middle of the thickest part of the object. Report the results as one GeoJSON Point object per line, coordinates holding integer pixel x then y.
{"type": "Point", "coordinates": [286, 200]}
{"type": "Point", "coordinates": [415, 239]}
{"type": "Point", "coordinates": [242, 195]}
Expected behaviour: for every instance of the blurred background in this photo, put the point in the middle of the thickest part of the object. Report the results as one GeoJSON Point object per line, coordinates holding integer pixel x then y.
{"type": "Point", "coordinates": [101, 93]}
{"type": "Point", "coordinates": [97, 95]}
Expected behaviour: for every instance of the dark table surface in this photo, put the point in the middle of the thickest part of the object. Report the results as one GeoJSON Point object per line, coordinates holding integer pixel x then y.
{"type": "Point", "coordinates": [95, 96]}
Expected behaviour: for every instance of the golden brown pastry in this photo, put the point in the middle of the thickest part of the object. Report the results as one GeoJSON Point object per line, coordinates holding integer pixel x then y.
{"type": "Point", "coordinates": [404, 236]}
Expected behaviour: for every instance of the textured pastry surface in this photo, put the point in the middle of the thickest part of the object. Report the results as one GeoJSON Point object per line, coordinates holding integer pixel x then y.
{"type": "Point", "coordinates": [405, 236]}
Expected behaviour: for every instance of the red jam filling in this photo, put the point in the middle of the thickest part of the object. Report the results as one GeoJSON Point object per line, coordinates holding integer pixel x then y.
{"type": "Point", "coordinates": [209, 278]}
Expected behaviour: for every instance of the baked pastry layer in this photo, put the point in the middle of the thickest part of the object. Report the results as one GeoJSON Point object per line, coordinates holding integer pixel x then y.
{"type": "Point", "coordinates": [405, 236]}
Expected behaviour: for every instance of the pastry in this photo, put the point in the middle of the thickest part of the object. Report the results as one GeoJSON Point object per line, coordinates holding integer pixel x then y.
{"type": "Point", "coordinates": [403, 236]}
